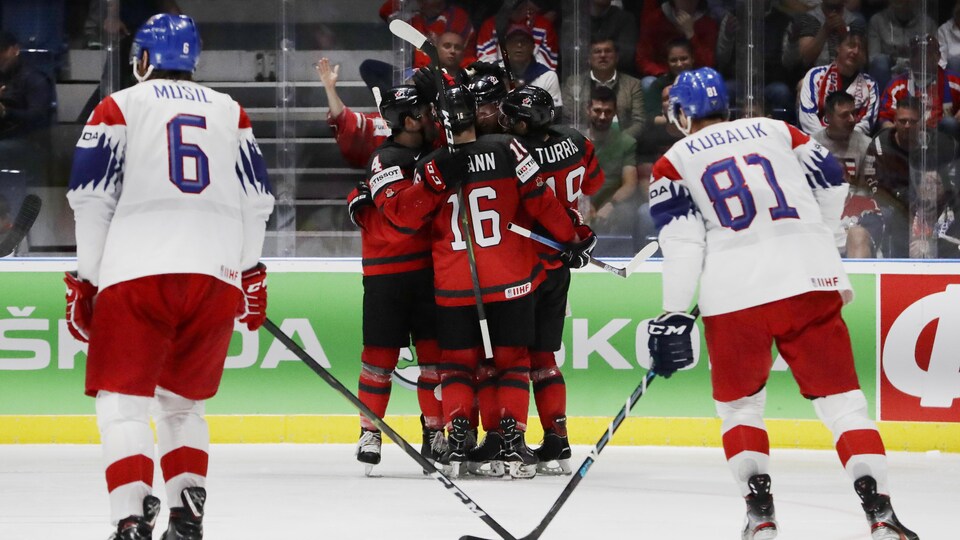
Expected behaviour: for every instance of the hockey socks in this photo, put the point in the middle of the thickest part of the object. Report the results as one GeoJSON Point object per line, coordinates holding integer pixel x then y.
{"type": "Point", "coordinates": [855, 436]}
{"type": "Point", "coordinates": [428, 357]}
{"type": "Point", "coordinates": [127, 442]}
{"type": "Point", "coordinates": [378, 364]}
{"type": "Point", "coordinates": [513, 388]}
{"type": "Point", "coordinates": [549, 389]}
{"type": "Point", "coordinates": [745, 440]}
{"type": "Point", "coordinates": [184, 442]}
{"type": "Point", "coordinates": [457, 383]}
{"type": "Point", "coordinates": [487, 396]}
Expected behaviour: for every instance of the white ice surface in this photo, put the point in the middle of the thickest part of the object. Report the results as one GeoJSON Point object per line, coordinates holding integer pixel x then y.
{"type": "Point", "coordinates": [260, 492]}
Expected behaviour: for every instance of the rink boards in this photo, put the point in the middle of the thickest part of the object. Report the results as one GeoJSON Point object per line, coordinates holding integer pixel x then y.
{"type": "Point", "coordinates": [904, 324]}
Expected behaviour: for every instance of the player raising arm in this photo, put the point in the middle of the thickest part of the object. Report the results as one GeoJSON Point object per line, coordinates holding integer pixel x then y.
{"type": "Point", "coordinates": [747, 210]}
{"type": "Point", "coordinates": [168, 242]}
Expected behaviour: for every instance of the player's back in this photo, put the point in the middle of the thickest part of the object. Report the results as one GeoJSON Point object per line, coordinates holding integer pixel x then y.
{"type": "Point", "coordinates": [765, 234]}
{"type": "Point", "coordinates": [183, 173]}
{"type": "Point", "coordinates": [567, 163]}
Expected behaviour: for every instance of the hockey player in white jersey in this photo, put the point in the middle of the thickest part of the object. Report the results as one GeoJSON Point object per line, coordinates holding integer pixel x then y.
{"type": "Point", "coordinates": [746, 209]}
{"type": "Point", "coordinates": [171, 197]}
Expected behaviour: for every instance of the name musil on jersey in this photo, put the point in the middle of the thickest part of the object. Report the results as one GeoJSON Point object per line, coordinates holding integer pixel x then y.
{"type": "Point", "coordinates": [719, 137]}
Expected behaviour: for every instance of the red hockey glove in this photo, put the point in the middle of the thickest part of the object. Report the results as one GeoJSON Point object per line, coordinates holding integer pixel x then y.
{"type": "Point", "coordinates": [254, 306]}
{"type": "Point", "coordinates": [80, 294]}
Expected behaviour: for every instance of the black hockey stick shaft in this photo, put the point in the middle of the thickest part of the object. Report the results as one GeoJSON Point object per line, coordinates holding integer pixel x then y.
{"type": "Point", "coordinates": [26, 216]}
{"type": "Point", "coordinates": [594, 454]}
{"type": "Point", "coordinates": [501, 23]}
{"type": "Point", "coordinates": [385, 428]}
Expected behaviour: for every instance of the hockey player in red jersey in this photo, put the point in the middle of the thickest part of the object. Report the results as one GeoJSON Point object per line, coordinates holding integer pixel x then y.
{"type": "Point", "coordinates": [469, 197]}
{"type": "Point", "coordinates": [569, 167]}
{"type": "Point", "coordinates": [357, 134]}
{"type": "Point", "coordinates": [746, 210]}
{"type": "Point", "coordinates": [397, 276]}
{"type": "Point", "coordinates": [168, 244]}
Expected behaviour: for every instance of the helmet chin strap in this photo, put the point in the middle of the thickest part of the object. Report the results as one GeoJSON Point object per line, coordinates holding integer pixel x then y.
{"type": "Point", "coordinates": [145, 76]}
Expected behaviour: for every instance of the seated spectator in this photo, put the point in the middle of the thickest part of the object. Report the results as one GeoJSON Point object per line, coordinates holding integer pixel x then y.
{"type": "Point", "coordinates": [603, 72]}
{"type": "Point", "coordinates": [939, 87]}
{"type": "Point", "coordinates": [675, 19]}
{"type": "Point", "coordinates": [818, 33]}
{"type": "Point", "coordinates": [434, 18]}
{"type": "Point", "coordinates": [861, 222]}
{"type": "Point", "coordinates": [679, 59]}
{"type": "Point", "coordinates": [613, 209]}
{"type": "Point", "coordinates": [450, 51]}
{"type": "Point", "coordinates": [949, 37]}
{"type": "Point", "coordinates": [845, 73]}
{"type": "Point", "coordinates": [906, 176]}
{"type": "Point", "coordinates": [889, 37]}
{"type": "Point", "coordinates": [546, 49]}
{"type": "Point", "coordinates": [26, 111]}
{"type": "Point", "coordinates": [613, 22]}
{"type": "Point", "coordinates": [525, 67]}
{"type": "Point", "coordinates": [657, 137]}
{"type": "Point", "coordinates": [357, 134]}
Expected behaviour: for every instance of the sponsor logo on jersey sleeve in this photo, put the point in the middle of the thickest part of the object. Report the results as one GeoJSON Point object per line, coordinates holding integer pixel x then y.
{"type": "Point", "coordinates": [527, 169]}
{"type": "Point", "coordinates": [385, 177]}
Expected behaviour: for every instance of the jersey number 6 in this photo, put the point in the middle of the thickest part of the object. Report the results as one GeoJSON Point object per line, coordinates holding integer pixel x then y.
{"type": "Point", "coordinates": [739, 189]}
{"type": "Point", "coordinates": [189, 166]}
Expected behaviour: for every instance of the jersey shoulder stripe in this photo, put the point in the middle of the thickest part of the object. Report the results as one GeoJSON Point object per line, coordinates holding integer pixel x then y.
{"type": "Point", "coordinates": [107, 112]}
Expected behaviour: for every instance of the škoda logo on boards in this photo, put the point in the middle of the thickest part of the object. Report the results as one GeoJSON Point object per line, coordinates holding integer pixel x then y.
{"type": "Point", "coordinates": [920, 348]}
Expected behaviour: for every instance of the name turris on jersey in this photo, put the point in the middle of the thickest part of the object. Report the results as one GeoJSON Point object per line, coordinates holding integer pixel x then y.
{"type": "Point", "coordinates": [176, 91]}
{"type": "Point", "coordinates": [556, 152]}
{"type": "Point", "coordinates": [718, 138]}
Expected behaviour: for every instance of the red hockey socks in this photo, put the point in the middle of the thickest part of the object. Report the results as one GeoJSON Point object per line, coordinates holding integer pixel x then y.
{"type": "Point", "coordinates": [487, 401]}
{"type": "Point", "coordinates": [549, 389]}
{"type": "Point", "coordinates": [428, 358]}
{"type": "Point", "coordinates": [456, 382]}
{"type": "Point", "coordinates": [513, 388]}
{"type": "Point", "coordinates": [377, 364]}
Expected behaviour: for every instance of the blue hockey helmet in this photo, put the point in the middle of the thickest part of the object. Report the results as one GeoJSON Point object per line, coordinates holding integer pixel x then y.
{"type": "Point", "coordinates": [171, 41]}
{"type": "Point", "coordinates": [699, 93]}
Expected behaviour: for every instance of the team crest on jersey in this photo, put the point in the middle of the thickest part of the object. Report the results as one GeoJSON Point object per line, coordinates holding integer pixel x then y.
{"type": "Point", "coordinates": [527, 102]}
{"type": "Point", "coordinates": [519, 290]}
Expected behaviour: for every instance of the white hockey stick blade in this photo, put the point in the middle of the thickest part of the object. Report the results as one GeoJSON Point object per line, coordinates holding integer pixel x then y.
{"type": "Point", "coordinates": [948, 238]}
{"type": "Point", "coordinates": [645, 253]}
{"type": "Point", "coordinates": [404, 31]}
{"type": "Point", "coordinates": [377, 98]}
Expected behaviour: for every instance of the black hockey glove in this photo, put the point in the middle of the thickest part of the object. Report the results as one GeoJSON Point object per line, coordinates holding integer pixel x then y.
{"type": "Point", "coordinates": [577, 254]}
{"type": "Point", "coordinates": [426, 85]}
{"type": "Point", "coordinates": [358, 199]}
{"type": "Point", "coordinates": [487, 68]}
{"type": "Point", "coordinates": [446, 171]}
{"type": "Point", "coordinates": [670, 343]}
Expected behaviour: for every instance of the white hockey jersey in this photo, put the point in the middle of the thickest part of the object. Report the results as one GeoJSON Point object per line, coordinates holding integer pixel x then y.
{"type": "Point", "coordinates": [167, 178]}
{"type": "Point", "coordinates": [747, 208]}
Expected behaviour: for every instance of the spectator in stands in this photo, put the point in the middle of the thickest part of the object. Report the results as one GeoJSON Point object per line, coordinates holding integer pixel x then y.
{"type": "Point", "coordinates": [613, 209]}
{"type": "Point", "coordinates": [845, 73]}
{"type": "Point", "coordinates": [861, 223]}
{"type": "Point", "coordinates": [39, 27]}
{"type": "Point", "coordinates": [546, 45]}
{"type": "Point", "coordinates": [603, 72]}
{"type": "Point", "coordinates": [889, 37]}
{"type": "Point", "coordinates": [949, 37]}
{"type": "Point", "coordinates": [357, 134]}
{"type": "Point", "coordinates": [613, 22]}
{"type": "Point", "coordinates": [907, 174]}
{"type": "Point", "coordinates": [26, 110]}
{"type": "Point", "coordinates": [818, 34]}
{"type": "Point", "coordinates": [521, 46]}
{"type": "Point", "coordinates": [657, 138]}
{"type": "Point", "coordinates": [939, 88]}
{"type": "Point", "coordinates": [675, 19]}
{"type": "Point", "coordinates": [450, 50]}
{"type": "Point", "coordinates": [679, 59]}
{"type": "Point", "coordinates": [434, 18]}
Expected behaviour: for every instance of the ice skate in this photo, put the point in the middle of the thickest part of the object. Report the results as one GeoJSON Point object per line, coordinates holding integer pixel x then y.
{"type": "Point", "coordinates": [368, 449]}
{"type": "Point", "coordinates": [139, 527]}
{"type": "Point", "coordinates": [433, 444]}
{"type": "Point", "coordinates": [760, 522]}
{"type": "Point", "coordinates": [554, 454]}
{"type": "Point", "coordinates": [517, 456]}
{"type": "Point", "coordinates": [186, 522]}
{"type": "Point", "coordinates": [453, 461]}
{"type": "Point", "coordinates": [884, 524]}
{"type": "Point", "coordinates": [487, 458]}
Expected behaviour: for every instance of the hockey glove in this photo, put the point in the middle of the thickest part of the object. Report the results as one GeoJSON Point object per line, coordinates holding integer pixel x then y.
{"type": "Point", "coordinates": [487, 68]}
{"type": "Point", "coordinates": [80, 294]}
{"type": "Point", "coordinates": [358, 199]}
{"type": "Point", "coordinates": [254, 306]}
{"type": "Point", "coordinates": [446, 171]}
{"type": "Point", "coordinates": [670, 343]}
{"type": "Point", "coordinates": [577, 254]}
{"type": "Point", "coordinates": [426, 85]}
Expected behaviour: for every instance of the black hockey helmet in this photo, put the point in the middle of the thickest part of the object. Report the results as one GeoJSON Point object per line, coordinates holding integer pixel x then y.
{"type": "Point", "coordinates": [398, 103]}
{"type": "Point", "coordinates": [462, 106]}
{"type": "Point", "coordinates": [532, 104]}
{"type": "Point", "coordinates": [488, 89]}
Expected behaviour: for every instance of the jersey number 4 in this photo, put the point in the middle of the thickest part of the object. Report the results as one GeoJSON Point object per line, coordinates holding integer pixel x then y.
{"type": "Point", "coordinates": [479, 217]}
{"type": "Point", "coordinates": [189, 166]}
{"type": "Point", "coordinates": [738, 189]}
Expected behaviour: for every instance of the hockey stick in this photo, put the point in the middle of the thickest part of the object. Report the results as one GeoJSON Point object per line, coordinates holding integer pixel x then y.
{"type": "Point", "coordinates": [385, 428]}
{"type": "Point", "coordinates": [593, 456]}
{"type": "Point", "coordinates": [501, 23]}
{"type": "Point", "coordinates": [645, 253]}
{"type": "Point", "coordinates": [26, 216]}
{"type": "Point", "coordinates": [948, 238]}
{"type": "Point", "coordinates": [411, 35]}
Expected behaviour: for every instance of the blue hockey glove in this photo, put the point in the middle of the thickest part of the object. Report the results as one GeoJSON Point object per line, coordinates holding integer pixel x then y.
{"type": "Point", "coordinates": [670, 343]}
